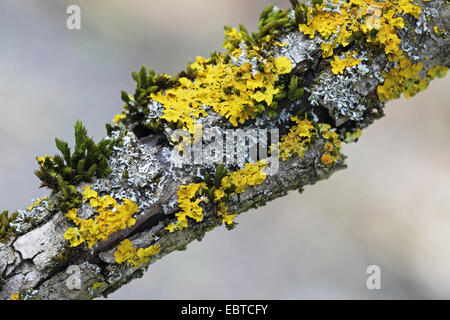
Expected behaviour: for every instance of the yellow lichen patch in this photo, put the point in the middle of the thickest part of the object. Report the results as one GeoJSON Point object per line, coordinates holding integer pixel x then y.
{"type": "Point", "coordinates": [252, 175]}
{"type": "Point", "coordinates": [328, 147]}
{"type": "Point", "coordinates": [171, 227]}
{"type": "Point", "coordinates": [189, 207]}
{"type": "Point", "coordinates": [223, 213]}
{"type": "Point", "coordinates": [437, 72]}
{"type": "Point", "coordinates": [338, 65]}
{"type": "Point", "coordinates": [378, 21]}
{"type": "Point", "coordinates": [14, 297]}
{"type": "Point", "coordinates": [36, 203]}
{"type": "Point", "coordinates": [41, 160]}
{"type": "Point", "coordinates": [323, 22]}
{"type": "Point", "coordinates": [233, 91]}
{"type": "Point", "coordinates": [232, 39]}
{"type": "Point", "coordinates": [327, 49]}
{"type": "Point", "coordinates": [297, 140]}
{"type": "Point", "coordinates": [118, 117]}
{"type": "Point", "coordinates": [98, 286]}
{"type": "Point", "coordinates": [110, 219]}
{"type": "Point", "coordinates": [283, 65]}
{"type": "Point", "coordinates": [402, 79]}
{"type": "Point", "coordinates": [332, 147]}
{"type": "Point", "coordinates": [405, 78]}
{"type": "Point", "coordinates": [303, 134]}
{"type": "Point", "coordinates": [134, 258]}
{"type": "Point", "coordinates": [439, 31]}
{"type": "Point", "coordinates": [88, 194]}
{"type": "Point", "coordinates": [189, 196]}
{"type": "Point", "coordinates": [352, 136]}
{"type": "Point", "coordinates": [280, 44]}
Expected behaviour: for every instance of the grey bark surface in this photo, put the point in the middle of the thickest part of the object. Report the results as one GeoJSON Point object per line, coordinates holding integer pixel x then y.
{"type": "Point", "coordinates": [38, 262]}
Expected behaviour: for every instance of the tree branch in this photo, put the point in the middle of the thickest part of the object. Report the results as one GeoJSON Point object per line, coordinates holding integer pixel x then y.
{"type": "Point", "coordinates": [346, 77]}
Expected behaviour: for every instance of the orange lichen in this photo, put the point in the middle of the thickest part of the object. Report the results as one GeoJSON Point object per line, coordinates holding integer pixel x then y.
{"type": "Point", "coordinates": [327, 159]}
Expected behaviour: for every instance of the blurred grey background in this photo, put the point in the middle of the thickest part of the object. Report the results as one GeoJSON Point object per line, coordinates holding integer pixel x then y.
{"type": "Point", "coordinates": [391, 207]}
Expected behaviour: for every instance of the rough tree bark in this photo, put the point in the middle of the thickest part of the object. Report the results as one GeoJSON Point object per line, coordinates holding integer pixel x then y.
{"type": "Point", "coordinates": [37, 261]}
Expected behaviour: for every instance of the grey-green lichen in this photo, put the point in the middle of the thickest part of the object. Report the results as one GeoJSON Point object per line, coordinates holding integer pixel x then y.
{"type": "Point", "coordinates": [336, 92]}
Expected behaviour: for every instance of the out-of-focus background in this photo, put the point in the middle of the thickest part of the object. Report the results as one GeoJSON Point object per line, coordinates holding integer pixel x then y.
{"type": "Point", "coordinates": [390, 208]}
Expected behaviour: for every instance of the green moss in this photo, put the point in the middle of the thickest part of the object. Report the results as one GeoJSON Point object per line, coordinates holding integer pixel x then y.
{"type": "Point", "coordinates": [88, 160]}
{"type": "Point", "coordinates": [294, 91]}
{"type": "Point", "coordinates": [64, 171]}
{"type": "Point", "coordinates": [300, 13]}
{"type": "Point", "coordinates": [6, 231]}
{"type": "Point", "coordinates": [69, 198]}
{"type": "Point", "coordinates": [214, 182]}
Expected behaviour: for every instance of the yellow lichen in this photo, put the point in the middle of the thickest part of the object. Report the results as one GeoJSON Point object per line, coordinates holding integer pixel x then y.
{"type": "Point", "coordinates": [328, 147]}
{"type": "Point", "coordinates": [402, 79]}
{"type": "Point", "coordinates": [439, 31]}
{"type": "Point", "coordinates": [118, 117]}
{"type": "Point", "coordinates": [297, 140]}
{"type": "Point", "coordinates": [327, 49]}
{"type": "Point", "coordinates": [171, 227]}
{"type": "Point", "coordinates": [233, 91]}
{"type": "Point", "coordinates": [437, 72]}
{"type": "Point", "coordinates": [338, 65]}
{"type": "Point", "coordinates": [303, 134]}
{"type": "Point", "coordinates": [352, 136]}
{"type": "Point", "coordinates": [189, 208]}
{"type": "Point", "coordinates": [378, 21]}
{"type": "Point", "coordinates": [98, 286]}
{"type": "Point", "coordinates": [134, 258]}
{"type": "Point", "coordinates": [252, 175]}
{"type": "Point", "coordinates": [232, 39]}
{"type": "Point", "coordinates": [323, 22]}
{"type": "Point", "coordinates": [41, 160]}
{"type": "Point", "coordinates": [283, 65]}
{"type": "Point", "coordinates": [280, 44]}
{"type": "Point", "coordinates": [15, 296]}
{"type": "Point", "coordinates": [223, 213]}
{"type": "Point", "coordinates": [190, 196]}
{"type": "Point", "coordinates": [110, 219]}
{"type": "Point", "coordinates": [36, 203]}
{"type": "Point", "coordinates": [88, 193]}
